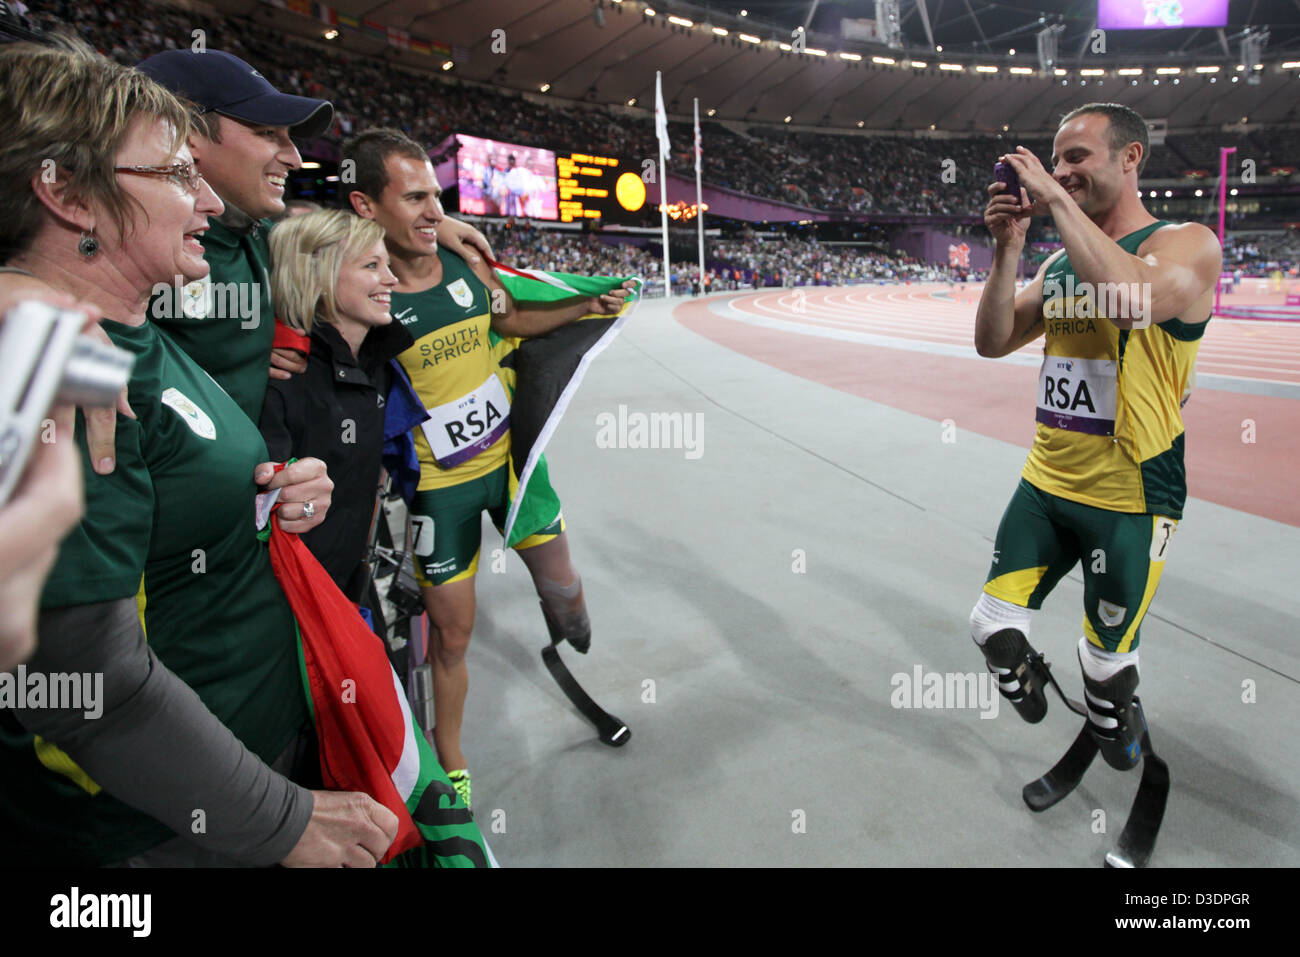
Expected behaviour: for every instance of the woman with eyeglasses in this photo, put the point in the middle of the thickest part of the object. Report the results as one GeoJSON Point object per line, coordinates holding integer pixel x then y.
{"type": "Point", "coordinates": [104, 203]}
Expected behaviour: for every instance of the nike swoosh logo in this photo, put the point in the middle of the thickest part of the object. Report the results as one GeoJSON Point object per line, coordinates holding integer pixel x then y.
{"type": "Point", "coordinates": [404, 312]}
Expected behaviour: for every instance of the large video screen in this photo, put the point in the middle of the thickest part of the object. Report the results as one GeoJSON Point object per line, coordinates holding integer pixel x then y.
{"type": "Point", "coordinates": [505, 179]}
{"type": "Point", "coordinates": [1161, 14]}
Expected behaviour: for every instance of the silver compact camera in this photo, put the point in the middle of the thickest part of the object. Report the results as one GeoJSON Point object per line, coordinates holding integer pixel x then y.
{"type": "Point", "coordinates": [45, 361]}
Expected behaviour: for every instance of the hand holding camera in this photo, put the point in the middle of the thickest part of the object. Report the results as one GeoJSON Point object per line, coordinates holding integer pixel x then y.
{"type": "Point", "coordinates": [46, 365]}
{"type": "Point", "coordinates": [1006, 174]}
{"type": "Point", "coordinates": [1007, 214]}
{"type": "Point", "coordinates": [46, 361]}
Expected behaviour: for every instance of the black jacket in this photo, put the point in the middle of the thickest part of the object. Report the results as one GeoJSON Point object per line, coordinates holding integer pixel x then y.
{"type": "Point", "coordinates": [335, 412]}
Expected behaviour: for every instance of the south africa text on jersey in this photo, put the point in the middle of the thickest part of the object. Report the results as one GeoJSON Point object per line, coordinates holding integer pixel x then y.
{"type": "Point", "coordinates": [451, 345]}
{"type": "Point", "coordinates": [1070, 327]}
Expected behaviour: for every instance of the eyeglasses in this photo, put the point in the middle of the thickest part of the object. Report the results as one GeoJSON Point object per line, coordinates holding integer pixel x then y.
{"type": "Point", "coordinates": [182, 173]}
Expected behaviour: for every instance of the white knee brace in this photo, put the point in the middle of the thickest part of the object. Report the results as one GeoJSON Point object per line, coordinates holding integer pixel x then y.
{"type": "Point", "coordinates": [1100, 664]}
{"type": "Point", "coordinates": [991, 615]}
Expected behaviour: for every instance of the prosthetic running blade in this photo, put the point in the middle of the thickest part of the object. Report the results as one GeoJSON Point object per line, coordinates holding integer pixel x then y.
{"type": "Point", "coordinates": [612, 730]}
{"type": "Point", "coordinates": [1138, 839]}
{"type": "Point", "coordinates": [1065, 775]}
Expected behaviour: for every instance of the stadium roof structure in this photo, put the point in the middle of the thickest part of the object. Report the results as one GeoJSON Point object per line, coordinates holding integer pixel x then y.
{"type": "Point", "coordinates": [762, 67]}
{"type": "Point", "coordinates": [976, 26]}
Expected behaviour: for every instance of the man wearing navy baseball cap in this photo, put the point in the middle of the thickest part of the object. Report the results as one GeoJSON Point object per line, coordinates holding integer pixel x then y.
{"type": "Point", "coordinates": [224, 84]}
{"type": "Point", "coordinates": [242, 143]}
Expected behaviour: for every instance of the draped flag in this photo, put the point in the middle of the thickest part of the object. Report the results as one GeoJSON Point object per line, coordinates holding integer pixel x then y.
{"type": "Point", "coordinates": [547, 371]}
{"type": "Point", "coordinates": [369, 740]}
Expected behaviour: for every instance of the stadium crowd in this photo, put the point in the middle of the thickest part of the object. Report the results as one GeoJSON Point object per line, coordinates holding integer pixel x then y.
{"type": "Point", "coordinates": [863, 174]}
{"type": "Point", "coordinates": [730, 263]}
{"type": "Point", "coordinates": [525, 246]}
{"type": "Point", "coordinates": [1263, 253]}
{"type": "Point", "coordinates": [795, 262]}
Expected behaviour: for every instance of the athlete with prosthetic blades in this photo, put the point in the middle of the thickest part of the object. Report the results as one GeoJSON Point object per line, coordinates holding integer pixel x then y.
{"type": "Point", "coordinates": [464, 324]}
{"type": "Point", "coordinates": [1123, 308]}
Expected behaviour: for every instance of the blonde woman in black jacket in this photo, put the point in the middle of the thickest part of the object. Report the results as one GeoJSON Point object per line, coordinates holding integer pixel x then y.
{"type": "Point", "coordinates": [330, 282]}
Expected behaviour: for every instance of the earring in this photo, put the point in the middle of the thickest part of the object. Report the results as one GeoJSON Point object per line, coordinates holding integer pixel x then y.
{"type": "Point", "coordinates": [88, 246]}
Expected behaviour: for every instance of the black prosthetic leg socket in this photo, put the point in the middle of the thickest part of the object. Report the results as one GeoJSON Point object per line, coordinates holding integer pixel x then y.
{"type": "Point", "coordinates": [1112, 701]}
{"type": "Point", "coordinates": [1025, 686]}
{"type": "Point", "coordinates": [575, 628]}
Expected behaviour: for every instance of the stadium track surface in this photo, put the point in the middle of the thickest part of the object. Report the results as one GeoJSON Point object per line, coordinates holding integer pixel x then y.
{"type": "Point", "coordinates": [1245, 370]}
{"type": "Point", "coordinates": [771, 686]}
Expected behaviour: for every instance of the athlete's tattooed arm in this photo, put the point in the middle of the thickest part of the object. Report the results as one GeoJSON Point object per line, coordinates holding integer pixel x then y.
{"type": "Point", "coordinates": [1035, 330]}
{"type": "Point", "coordinates": [1006, 319]}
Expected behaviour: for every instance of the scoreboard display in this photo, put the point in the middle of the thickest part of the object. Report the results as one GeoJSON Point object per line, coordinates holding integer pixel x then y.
{"type": "Point", "coordinates": [599, 187]}
{"type": "Point", "coordinates": [1161, 14]}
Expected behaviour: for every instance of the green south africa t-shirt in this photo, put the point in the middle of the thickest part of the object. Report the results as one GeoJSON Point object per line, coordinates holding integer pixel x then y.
{"type": "Point", "coordinates": [231, 335]}
{"type": "Point", "coordinates": [175, 518]}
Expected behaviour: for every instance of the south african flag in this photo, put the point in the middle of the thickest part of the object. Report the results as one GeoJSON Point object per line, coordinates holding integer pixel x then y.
{"type": "Point", "coordinates": [547, 372]}
{"type": "Point", "coordinates": [369, 740]}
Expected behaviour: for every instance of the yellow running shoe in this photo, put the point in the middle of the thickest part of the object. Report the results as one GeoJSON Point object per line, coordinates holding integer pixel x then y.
{"type": "Point", "coordinates": [460, 781]}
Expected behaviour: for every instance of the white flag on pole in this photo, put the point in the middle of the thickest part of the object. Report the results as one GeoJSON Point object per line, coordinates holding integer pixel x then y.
{"type": "Point", "coordinates": [699, 147]}
{"type": "Point", "coordinates": [661, 117]}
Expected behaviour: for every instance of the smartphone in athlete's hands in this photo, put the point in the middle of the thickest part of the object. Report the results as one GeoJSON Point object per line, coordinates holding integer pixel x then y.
{"type": "Point", "coordinates": [1006, 173]}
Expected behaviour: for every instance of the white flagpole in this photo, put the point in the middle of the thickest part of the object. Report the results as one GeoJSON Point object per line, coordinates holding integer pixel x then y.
{"type": "Point", "coordinates": [661, 129]}
{"type": "Point", "coordinates": [699, 191]}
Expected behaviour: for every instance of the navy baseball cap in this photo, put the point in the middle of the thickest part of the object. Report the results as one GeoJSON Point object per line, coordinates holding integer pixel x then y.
{"type": "Point", "coordinates": [225, 84]}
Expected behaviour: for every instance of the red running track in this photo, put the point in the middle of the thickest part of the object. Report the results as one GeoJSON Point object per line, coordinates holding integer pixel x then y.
{"type": "Point", "coordinates": [995, 398]}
